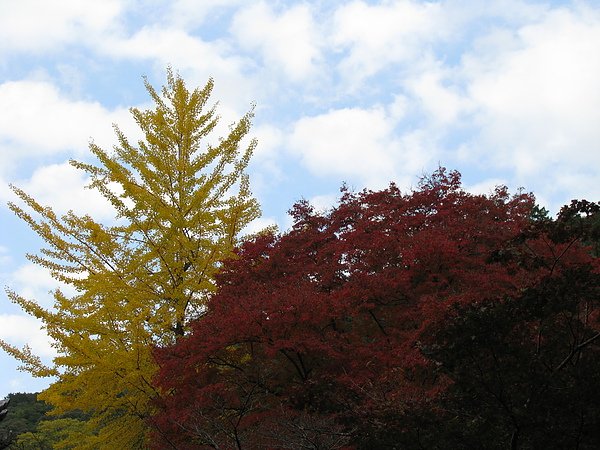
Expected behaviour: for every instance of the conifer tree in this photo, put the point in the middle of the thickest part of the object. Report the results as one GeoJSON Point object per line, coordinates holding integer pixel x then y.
{"type": "Point", "coordinates": [180, 204]}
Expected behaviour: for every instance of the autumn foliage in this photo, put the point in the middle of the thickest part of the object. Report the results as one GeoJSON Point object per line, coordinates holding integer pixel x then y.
{"type": "Point", "coordinates": [180, 203]}
{"type": "Point", "coordinates": [348, 331]}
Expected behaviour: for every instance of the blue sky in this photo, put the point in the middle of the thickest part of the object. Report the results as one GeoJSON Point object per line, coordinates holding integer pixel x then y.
{"type": "Point", "coordinates": [362, 92]}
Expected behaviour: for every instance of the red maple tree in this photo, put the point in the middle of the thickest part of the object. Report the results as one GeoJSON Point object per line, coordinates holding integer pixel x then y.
{"type": "Point", "coordinates": [319, 338]}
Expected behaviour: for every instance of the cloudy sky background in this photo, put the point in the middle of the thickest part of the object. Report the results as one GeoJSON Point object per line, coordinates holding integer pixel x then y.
{"type": "Point", "coordinates": [362, 92]}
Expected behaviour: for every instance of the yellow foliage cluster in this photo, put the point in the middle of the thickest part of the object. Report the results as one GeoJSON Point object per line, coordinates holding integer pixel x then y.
{"type": "Point", "coordinates": [180, 204]}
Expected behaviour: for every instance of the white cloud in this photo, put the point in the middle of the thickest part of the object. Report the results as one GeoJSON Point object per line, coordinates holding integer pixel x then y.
{"type": "Point", "coordinates": [5, 257]}
{"type": "Point", "coordinates": [374, 36]}
{"type": "Point", "coordinates": [378, 35]}
{"type": "Point", "coordinates": [19, 330]}
{"type": "Point", "coordinates": [34, 282]}
{"type": "Point", "coordinates": [537, 99]}
{"type": "Point", "coordinates": [265, 164]}
{"type": "Point", "coordinates": [191, 13]}
{"type": "Point", "coordinates": [36, 120]}
{"type": "Point", "coordinates": [258, 225]}
{"type": "Point", "coordinates": [168, 44]}
{"type": "Point", "coordinates": [358, 143]}
{"type": "Point", "coordinates": [346, 142]}
{"type": "Point", "coordinates": [62, 187]}
{"type": "Point", "coordinates": [40, 25]}
{"type": "Point", "coordinates": [325, 202]}
{"type": "Point", "coordinates": [194, 58]}
{"type": "Point", "coordinates": [399, 107]}
{"type": "Point", "coordinates": [289, 40]}
{"type": "Point", "coordinates": [485, 187]}
{"type": "Point", "coordinates": [270, 141]}
{"type": "Point", "coordinates": [440, 101]}
{"type": "Point", "coordinates": [33, 275]}
{"type": "Point", "coordinates": [557, 190]}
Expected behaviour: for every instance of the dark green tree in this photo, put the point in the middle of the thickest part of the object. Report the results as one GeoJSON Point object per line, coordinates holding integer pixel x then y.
{"type": "Point", "coordinates": [23, 416]}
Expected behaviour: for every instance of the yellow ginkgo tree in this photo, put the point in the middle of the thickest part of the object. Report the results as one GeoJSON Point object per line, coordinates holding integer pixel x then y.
{"type": "Point", "coordinates": [180, 204]}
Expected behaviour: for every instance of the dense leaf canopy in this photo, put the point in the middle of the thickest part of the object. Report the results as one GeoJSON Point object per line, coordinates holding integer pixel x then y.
{"type": "Point", "coordinates": [361, 327]}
